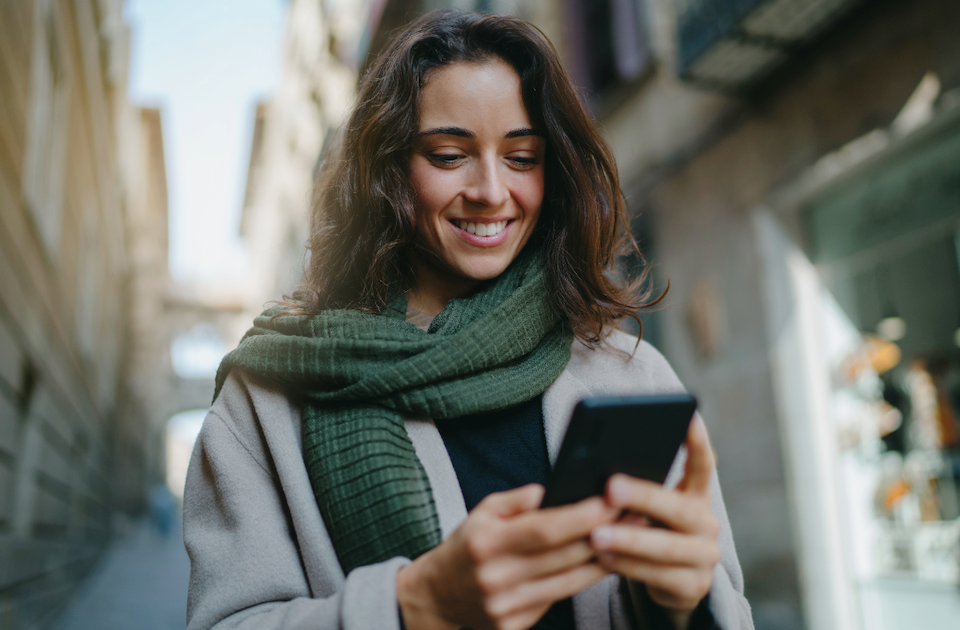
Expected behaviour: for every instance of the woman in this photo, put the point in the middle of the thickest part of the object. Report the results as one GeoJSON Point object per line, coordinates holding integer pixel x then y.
{"type": "Point", "coordinates": [457, 304]}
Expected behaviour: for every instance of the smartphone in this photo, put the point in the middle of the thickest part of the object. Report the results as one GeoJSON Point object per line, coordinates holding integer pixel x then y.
{"type": "Point", "coordinates": [636, 435]}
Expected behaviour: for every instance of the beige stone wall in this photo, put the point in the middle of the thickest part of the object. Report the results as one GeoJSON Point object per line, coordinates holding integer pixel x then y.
{"type": "Point", "coordinates": [65, 269]}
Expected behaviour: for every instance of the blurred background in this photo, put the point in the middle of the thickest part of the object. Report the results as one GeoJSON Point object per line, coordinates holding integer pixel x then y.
{"type": "Point", "coordinates": [792, 167]}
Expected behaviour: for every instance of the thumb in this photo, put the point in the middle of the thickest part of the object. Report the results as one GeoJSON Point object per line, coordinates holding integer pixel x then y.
{"type": "Point", "coordinates": [700, 460]}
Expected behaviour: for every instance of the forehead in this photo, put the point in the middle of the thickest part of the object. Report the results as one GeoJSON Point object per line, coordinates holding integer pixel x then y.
{"type": "Point", "coordinates": [478, 96]}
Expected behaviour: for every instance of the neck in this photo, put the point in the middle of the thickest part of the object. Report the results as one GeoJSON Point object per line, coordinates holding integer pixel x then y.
{"type": "Point", "coordinates": [433, 289]}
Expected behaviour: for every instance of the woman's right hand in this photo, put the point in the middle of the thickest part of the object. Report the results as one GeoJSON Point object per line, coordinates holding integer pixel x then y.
{"type": "Point", "coordinates": [505, 565]}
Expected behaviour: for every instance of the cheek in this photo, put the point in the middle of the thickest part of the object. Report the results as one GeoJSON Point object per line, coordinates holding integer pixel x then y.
{"type": "Point", "coordinates": [433, 192]}
{"type": "Point", "coordinates": [529, 193]}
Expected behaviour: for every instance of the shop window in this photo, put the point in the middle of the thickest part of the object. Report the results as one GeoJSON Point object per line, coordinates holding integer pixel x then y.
{"type": "Point", "coordinates": [861, 278]}
{"type": "Point", "coordinates": [46, 137]}
{"type": "Point", "coordinates": [885, 242]}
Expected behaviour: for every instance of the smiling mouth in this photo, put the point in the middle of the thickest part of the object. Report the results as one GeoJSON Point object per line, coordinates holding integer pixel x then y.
{"type": "Point", "coordinates": [482, 229]}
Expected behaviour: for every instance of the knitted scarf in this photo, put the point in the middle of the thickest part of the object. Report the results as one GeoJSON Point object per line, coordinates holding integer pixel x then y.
{"type": "Point", "coordinates": [357, 374]}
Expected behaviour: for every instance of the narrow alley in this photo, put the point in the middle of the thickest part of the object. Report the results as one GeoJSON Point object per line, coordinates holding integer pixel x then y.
{"type": "Point", "coordinates": [788, 169]}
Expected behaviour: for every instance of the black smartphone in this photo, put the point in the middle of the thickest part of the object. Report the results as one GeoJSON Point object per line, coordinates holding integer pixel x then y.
{"type": "Point", "coordinates": [636, 435]}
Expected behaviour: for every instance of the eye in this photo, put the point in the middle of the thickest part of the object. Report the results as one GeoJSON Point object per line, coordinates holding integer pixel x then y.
{"type": "Point", "coordinates": [523, 162]}
{"type": "Point", "coordinates": [445, 159]}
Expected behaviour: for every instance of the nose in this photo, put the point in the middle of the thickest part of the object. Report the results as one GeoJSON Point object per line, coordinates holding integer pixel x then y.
{"type": "Point", "coordinates": [488, 187]}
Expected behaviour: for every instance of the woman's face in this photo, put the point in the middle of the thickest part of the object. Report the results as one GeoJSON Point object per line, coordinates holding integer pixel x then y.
{"type": "Point", "coordinates": [477, 171]}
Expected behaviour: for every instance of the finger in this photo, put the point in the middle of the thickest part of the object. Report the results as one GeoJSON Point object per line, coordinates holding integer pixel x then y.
{"type": "Point", "coordinates": [675, 586]}
{"type": "Point", "coordinates": [684, 512]}
{"type": "Point", "coordinates": [510, 570]}
{"type": "Point", "coordinates": [656, 545]}
{"type": "Point", "coordinates": [523, 619]}
{"type": "Point", "coordinates": [545, 591]}
{"type": "Point", "coordinates": [512, 502]}
{"type": "Point", "coordinates": [540, 530]}
{"type": "Point", "coordinates": [700, 461]}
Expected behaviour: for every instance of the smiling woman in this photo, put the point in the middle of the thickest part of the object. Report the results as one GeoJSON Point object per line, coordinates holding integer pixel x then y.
{"type": "Point", "coordinates": [376, 449]}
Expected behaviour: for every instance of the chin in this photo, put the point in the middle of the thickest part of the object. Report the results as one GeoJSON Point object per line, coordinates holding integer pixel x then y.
{"type": "Point", "coordinates": [484, 272]}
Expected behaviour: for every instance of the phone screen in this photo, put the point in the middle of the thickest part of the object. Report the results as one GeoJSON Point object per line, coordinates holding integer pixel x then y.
{"type": "Point", "coordinates": [636, 435]}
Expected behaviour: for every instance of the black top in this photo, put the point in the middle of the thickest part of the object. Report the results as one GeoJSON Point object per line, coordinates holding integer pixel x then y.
{"type": "Point", "coordinates": [502, 450]}
{"type": "Point", "coordinates": [496, 451]}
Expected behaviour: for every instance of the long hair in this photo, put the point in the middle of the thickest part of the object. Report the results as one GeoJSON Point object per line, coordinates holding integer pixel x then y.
{"type": "Point", "coordinates": [364, 209]}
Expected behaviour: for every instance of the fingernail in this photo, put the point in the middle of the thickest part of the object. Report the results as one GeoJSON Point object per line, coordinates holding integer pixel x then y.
{"type": "Point", "coordinates": [602, 537]}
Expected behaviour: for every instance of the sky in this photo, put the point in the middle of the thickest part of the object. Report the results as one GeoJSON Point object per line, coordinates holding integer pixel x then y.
{"type": "Point", "coordinates": [205, 63]}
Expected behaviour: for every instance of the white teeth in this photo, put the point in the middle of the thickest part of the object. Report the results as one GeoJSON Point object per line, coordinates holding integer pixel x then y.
{"type": "Point", "coordinates": [483, 229]}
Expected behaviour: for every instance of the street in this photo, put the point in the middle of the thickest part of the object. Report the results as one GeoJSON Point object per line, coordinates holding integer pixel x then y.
{"type": "Point", "coordinates": [140, 584]}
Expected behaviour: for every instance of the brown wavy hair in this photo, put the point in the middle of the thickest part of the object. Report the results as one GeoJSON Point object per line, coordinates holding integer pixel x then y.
{"type": "Point", "coordinates": [364, 207]}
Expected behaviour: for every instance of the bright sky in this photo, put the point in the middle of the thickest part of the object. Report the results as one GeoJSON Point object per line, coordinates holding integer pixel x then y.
{"type": "Point", "coordinates": [206, 63]}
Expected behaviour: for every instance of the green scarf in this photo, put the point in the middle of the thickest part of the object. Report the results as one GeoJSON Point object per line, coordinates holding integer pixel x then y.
{"type": "Point", "coordinates": [357, 374]}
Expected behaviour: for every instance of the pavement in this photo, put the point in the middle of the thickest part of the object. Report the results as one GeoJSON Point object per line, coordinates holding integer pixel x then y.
{"type": "Point", "coordinates": [139, 584]}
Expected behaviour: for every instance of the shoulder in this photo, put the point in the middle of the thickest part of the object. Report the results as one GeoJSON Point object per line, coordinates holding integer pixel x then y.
{"type": "Point", "coordinates": [244, 393]}
{"type": "Point", "coordinates": [253, 410]}
{"type": "Point", "coordinates": [622, 365]}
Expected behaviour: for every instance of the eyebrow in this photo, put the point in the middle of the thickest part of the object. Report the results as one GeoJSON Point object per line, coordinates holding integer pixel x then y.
{"type": "Point", "coordinates": [465, 133]}
{"type": "Point", "coordinates": [521, 133]}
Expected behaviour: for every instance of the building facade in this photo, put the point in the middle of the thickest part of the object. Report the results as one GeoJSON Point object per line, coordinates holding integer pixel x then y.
{"type": "Point", "coordinates": [796, 204]}
{"type": "Point", "coordinates": [321, 55]}
{"type": "Point", "coordinates": [82, 195]}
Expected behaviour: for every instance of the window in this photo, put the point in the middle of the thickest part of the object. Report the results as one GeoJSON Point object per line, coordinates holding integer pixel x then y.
{"type": "Point", "coordinates": [609, 43]}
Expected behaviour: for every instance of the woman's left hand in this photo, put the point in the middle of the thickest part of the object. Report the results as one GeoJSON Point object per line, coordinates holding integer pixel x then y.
{"type": "Point", "coordinates": [675, 561]}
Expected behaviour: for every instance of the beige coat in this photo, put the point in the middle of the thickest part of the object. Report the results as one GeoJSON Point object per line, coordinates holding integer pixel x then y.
{"type": "Point", "coordinates": [260, 554]}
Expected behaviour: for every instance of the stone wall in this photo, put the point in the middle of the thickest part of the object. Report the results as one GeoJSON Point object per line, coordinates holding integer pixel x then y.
{"type": "Point", "coordinates": [64, 321]}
